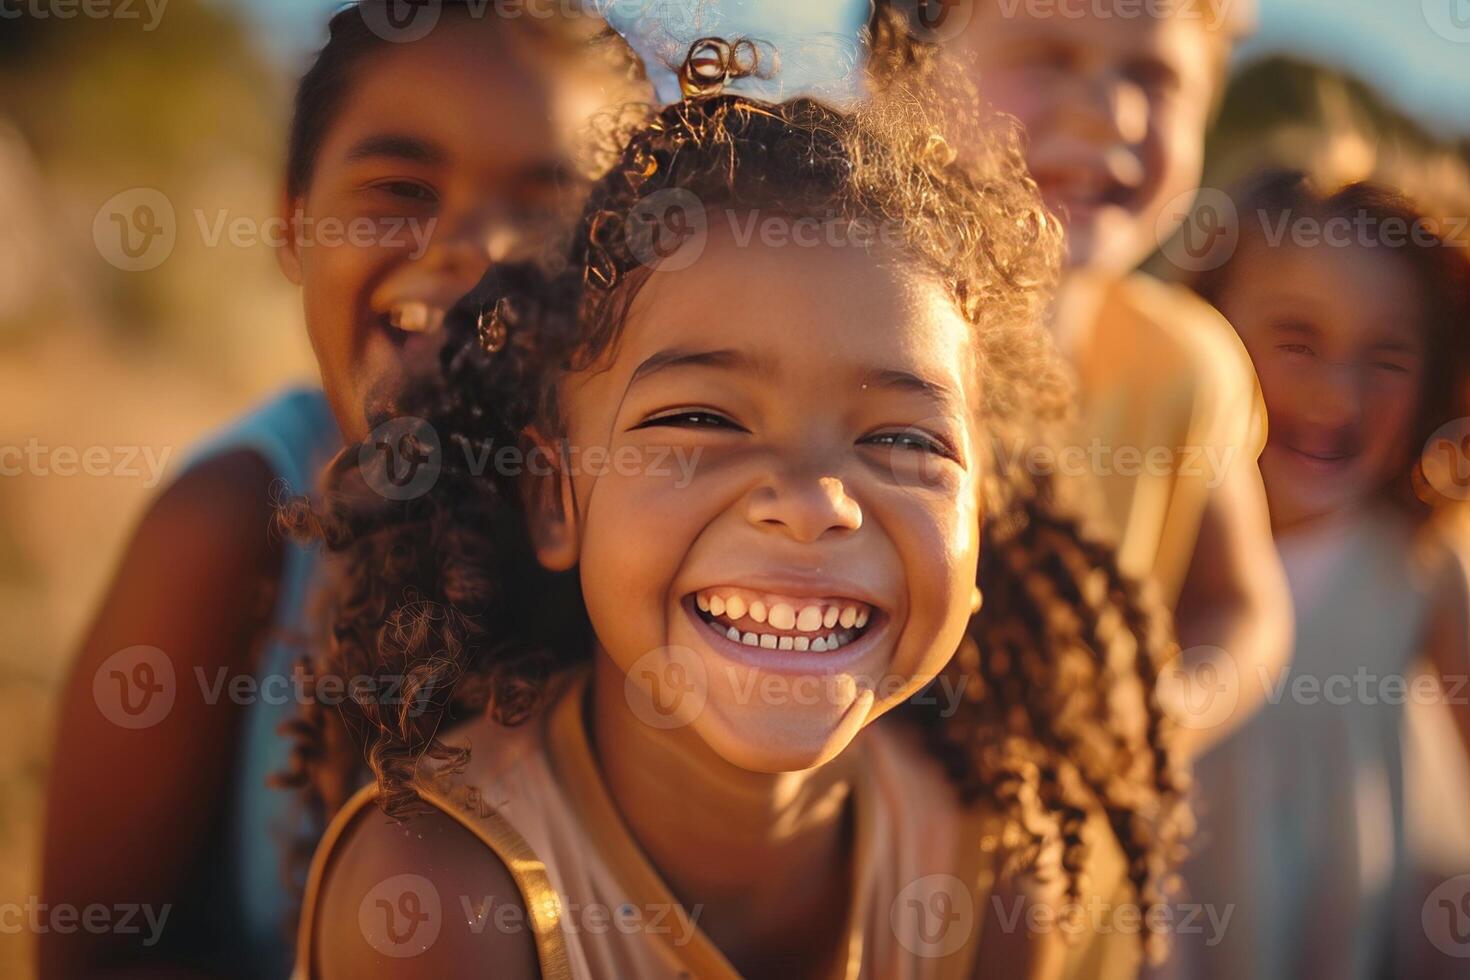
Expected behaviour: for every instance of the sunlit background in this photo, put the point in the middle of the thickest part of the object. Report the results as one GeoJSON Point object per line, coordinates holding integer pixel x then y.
{"type": "Point", "coordinates": [133, 366]}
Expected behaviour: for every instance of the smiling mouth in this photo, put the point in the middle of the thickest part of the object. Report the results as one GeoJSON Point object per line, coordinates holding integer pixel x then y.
{"type": "Point", "coordinates": [414, 316]}
{"type": "Point", "coordinates": [775, 622]}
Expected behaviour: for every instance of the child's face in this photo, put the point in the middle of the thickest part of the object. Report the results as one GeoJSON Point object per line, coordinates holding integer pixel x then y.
{"type": "Point", "coordinates": [1336, 337]}
{"type": "Point", "coordinates": [1114, 109]}
{"type": "Point", "coordinates": [442, 156]}
{"type": "Point", "coordinates": [789, 436]}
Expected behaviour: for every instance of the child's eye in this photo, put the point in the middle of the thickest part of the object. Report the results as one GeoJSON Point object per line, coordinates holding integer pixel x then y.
{"type": "Point", "coordinates": [912, 439]}
{"type": "Point", "coordinates": [691, 419]}
{"type": "Point", "coordinates": [1391, 366]}
{"type": "Point", "coordinates": [1302, 349]}
{"type": "Point", "coordinates": [410, 190]}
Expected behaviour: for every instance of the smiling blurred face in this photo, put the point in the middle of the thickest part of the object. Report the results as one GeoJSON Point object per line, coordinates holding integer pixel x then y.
{"type": "Point", "coordinates": [443, 157]}
{"type": "Point", "coordinates": [1337, 340]}
{"type": "Point", "coordinates": [814, 565]}
{"type": "Point", "coordinates": [1114, 110]}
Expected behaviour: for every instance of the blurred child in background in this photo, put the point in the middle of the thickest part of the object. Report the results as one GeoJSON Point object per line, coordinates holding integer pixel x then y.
{"type": "Point", "coordinates": [450, 145]}
{"type": "Point", "coordinates": [1357, 338]}
{"type": "Point", "coordinates": [1114, 109]}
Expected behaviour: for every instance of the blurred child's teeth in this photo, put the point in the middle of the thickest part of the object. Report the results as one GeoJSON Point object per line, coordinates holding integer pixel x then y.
{"type": "Point", "coordinates": [829, 618]}
{"type": "Point", "coordinates": [716, 606]}
{"type": "Point", "coordinates": [750, 640]}
{"type": "Point", "coordinates": [735, 607]}
{"type": "Point", "coordinates": [809, 620]}
{"type": "Point", "coordinates": [801, 642]}
{"type": "Point", "coordinates": [848, 617]}
{"type": "Point", "coordinates": [785, 643]}
{"type": "Point", "coordinates": [702, 601]}
{"type": "Point", "coordinates": [768, 642]}
{"type": "Point", "coordinates": [782, 616]}
{"type": "Point", "coordinates": [862, 618]}
{"type": "Point", "coordinates": [757, 611]}
{"type": "Point", "coordinates": [819, 645]}
{"type": "Point", "coordinates": [733, 634]}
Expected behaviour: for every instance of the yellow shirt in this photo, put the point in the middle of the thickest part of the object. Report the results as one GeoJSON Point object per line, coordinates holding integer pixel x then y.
{"type": "Point", "coordinates": [923, 865]}
{"type": "Point", "coordinates": [1168, 404]}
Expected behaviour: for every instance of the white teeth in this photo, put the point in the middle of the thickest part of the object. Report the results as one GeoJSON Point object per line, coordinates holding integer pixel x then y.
{"type": "Point", "coordinates": [415, 316]}
{"type": "Point", "coordinates": [757, 611]}
{"type": "Point", "coordinates": [733, 634]}
{"type": "Point", "coordinates": [801, 643]}
{"type": "Point", "coordinates": [819, 645]}
{"type": "Point", "coordinates": [702, 601]}
{"type": "Point", "coordinates": [782, 616]}
{"type": "Point", "coordinates": [785, 643]}
{"type": "Point", "coordinates": [862, 618]}
{"type": "Point", "coordinates": [750, 640]}
{"type": "Point", "coordinates": [832, 641]}
{"type": "Point", "coordinates": [735, 607]}
{"type": "Point", "coordinates": [848, 617]}
{"type": "Point", "coordinates": [716, 606]}
{"type": "Point", "coordinates": [768, 642]}
{"type": "Point", "coordinates": [809, 620]}
{"type": "Point", "coordinates": [829, 618]}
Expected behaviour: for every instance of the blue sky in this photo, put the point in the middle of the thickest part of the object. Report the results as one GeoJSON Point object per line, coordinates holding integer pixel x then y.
{"type": "Point", "coordinates": [1416, 51]}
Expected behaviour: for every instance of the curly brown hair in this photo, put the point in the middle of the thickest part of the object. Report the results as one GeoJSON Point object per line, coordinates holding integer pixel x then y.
{"type": "Point", "coordinates": [1060, 716]}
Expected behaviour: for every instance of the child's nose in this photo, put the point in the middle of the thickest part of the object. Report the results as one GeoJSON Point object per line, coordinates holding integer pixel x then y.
{"type": "Point", "coordinates": [804, 505]}
{"type": "Point", "coordinates": [1335, 395]}
{"type": "Point", "coordinates": [1113, 108]}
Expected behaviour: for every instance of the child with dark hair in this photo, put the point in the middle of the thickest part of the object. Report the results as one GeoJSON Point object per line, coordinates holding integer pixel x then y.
{"type": "Point", "coordinates": [413, 162]}
{"type": "Point", "coordinates": [1353, 308]}
{"type": "Point", "coordinates": [801, 706]}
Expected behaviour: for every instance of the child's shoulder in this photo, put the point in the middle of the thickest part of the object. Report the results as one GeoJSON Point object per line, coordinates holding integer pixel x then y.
{"type": "Point", "coordinates": [420, 892]}
{"type": "Point", "coordinates": [1171, 327]}
{"type": "Point", "coordinates": [293, 432]}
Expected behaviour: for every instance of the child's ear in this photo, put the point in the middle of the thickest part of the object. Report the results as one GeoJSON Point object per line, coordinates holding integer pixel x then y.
{"type": "Point", "coordinates": [550, 503]}
{"type": "Point", "coordinates": [287, 255]}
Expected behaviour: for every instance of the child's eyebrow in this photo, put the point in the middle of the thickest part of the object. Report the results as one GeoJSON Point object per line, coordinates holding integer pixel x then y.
{"type": "Point", "coordinates": [908, 381]}
{"type": "Point", "coordinates": [725, 359]}
{"type": "Point", "coordinates": [396, 147]}
{"type": "Point", "coordinates": [736, 360]}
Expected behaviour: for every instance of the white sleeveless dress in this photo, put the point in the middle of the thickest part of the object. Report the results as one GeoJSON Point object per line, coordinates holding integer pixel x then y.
{"type": "Point", "coordinates": [1302, 830]}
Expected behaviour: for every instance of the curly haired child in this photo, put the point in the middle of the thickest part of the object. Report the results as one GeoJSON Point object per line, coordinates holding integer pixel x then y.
{"type": "Point", "coordinates": [800, 707]}
{"type": "Point", "coordinates": [1114, 102]}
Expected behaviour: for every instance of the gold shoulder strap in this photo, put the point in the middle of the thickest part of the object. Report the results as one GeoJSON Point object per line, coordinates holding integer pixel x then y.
{"type": "Point", "coordinates": [543, 906]}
